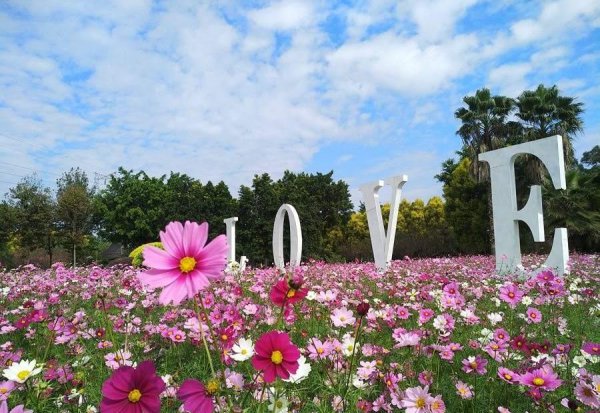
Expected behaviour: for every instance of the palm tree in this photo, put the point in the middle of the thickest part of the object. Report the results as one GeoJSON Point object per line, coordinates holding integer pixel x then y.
{"type": "Point", "coordinates": [484, 127]}
{"type": "Point", "coordinates": [544, 112]}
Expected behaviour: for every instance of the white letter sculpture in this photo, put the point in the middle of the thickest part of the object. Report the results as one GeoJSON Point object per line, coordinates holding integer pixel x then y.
{"type": "Point", "coordinates": [295, 237]}
{"type": "Point", "coordinates": [382, 243]}
{"type": "Point", "coordinates": [230, 231]}
{"type": "Point", "coordinates": [504, 202]}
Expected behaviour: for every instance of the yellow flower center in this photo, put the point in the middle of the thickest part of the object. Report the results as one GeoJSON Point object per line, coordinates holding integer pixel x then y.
{"type": "Point", "coordinates": [134, 396]}
{"type": "Point", "coordinates": [277, 357]}
{"type": "Point", "coordinates": [23, 374]}
{"type": "Point", "coordinates": [538, 381]}
{"type": "Point", "coordinates": [473, 365]}
{"type": "Point", "coordinates": [495, 346]}
{"type": "Point", "coordinates": [291, 293]}
{"type": "Point", "coordinates": [507, 376]}
{"type": "Point", "coordinates": [3, 390]}
{"type": "Point", "coordinates": [511, 295]}
{"type": "Point", "coordinates": [244, 351]}
{"type": "Point", "coordinates": [320, 350]}
{"type": "Point", "coordinates": [420, 403]}
{"type": "Point", "coordinates": [187, 264]}
{"type": "Point", "coordinates": [224, 337]}
{"type": "Point", "coordinates": [212, 386]}
{"type": "Point", "coordinates": [279, 404]}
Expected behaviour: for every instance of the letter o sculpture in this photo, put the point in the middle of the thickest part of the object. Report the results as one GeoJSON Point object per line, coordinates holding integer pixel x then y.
{"type": "Point", "coordinates": [295, 237]}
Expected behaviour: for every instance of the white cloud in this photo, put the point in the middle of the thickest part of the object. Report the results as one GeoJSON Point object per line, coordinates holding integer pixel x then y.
{"type": "Point", "coordinates": [285, 15]}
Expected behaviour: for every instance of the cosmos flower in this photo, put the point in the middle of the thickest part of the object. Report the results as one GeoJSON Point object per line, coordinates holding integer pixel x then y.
{"type": "Point", "coordinates": [592, 349]}
{"type": "Point", "coordinates": [342, 317]}
{"type": "Point", "coordinates": [187, 264]}
{"type": "Point", "coordinates": [275, 356]}
{"type": "Point", "coordinates": [21, 371]}
{"type": "Point", "coordinates": [286, 292]}
{"type": "Point", "coordinates": [242, 350]}
{"type": "Point", "coordinates": [511, 294]}
{"type": "Point", "coordinates": [132, 390]}
{"type": "Point", "coordinates": [196, 397]}
{"type": "Point", "coordinates": [534, 315]}
{"type": "Point", "coordinates": [542, 379]}
{"type": "Point", "coordinates": [475, 364]}
{"type": "Point", "coordinates": [416, 399]}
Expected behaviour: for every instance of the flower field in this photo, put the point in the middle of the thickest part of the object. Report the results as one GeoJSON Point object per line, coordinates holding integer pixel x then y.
{"type": "Point", "coordinates": [429, 335]}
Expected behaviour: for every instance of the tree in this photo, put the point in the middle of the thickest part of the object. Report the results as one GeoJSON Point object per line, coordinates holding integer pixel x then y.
{"type": "Point", "coordinates": [592, 157]}
{"type": "Point", "coordinates": [484, 127]}
{"type": "Point", "coordinates": [8, 225]}
{"type": "Point", "coordinates": [132, 208]}
{"type": "Point", "coordinates": [257, 208]}
{"type": "Point", "coordinates": [74, 207]}
{"type": "Point", "coordinates": [465, 207]}
{"type": "Point", "coordinates": [544, 112]}
{"type": "Point", "coordinates": [35, 214]}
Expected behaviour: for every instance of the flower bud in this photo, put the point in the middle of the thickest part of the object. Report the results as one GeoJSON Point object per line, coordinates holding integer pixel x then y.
{"type": "Point", "coordinates": [362, 309]}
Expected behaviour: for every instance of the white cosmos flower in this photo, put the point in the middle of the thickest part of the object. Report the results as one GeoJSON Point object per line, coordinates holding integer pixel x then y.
{"type": "Point", "coordinates": [279, 404]}
{"type": "Point", "coordinates": [21, 371]}
{"type": "Point", "coordinates": [242, 350]}
{"type": "Point", "coordinates": [303, 371]}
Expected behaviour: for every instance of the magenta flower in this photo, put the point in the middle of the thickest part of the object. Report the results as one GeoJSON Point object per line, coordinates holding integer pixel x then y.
{"type": "Point", "coordinates": [475, 364]}
{"type": "Point", "coordinates": [18, 409]}
{"type": "Point", "coordinates": [286, 292]}
{"type": "Point", "coordinates": [534, 315]}
{"type": "Point", "coordinates": [132, 390]}
{"type": "Point", "coordinates": [508, 376]}
{"type": "Point", "coordinates": [592, 349]}
{"type": "Point", "coordinates": [197, 398]}
{"type": "Point", "coordinates": [541, 379]}
{"type": "Point", "coordinates": [187, 265]}
{"type": "Point", "coordinates": [511, 294]}
{"type": "Point", "coordinates": [275, 356]}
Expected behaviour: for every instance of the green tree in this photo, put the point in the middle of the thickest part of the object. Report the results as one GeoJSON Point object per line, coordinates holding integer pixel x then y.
{"type": "Point", "coordinates": [484, 127]}
{"type": "Point", "coordinates": [257, 208]}
{"type": "Point", "coordinates": [132, 208]}
{"type": "Point", "coordinates": [592, 157]}
{"type": "Point", "coordinates": [74, 208]}
{"type": "Point", "coordinates": [544, 112]}
{"type": "Point", "coordinates": [34, 209]}
{"type": "Point", "coordinates": [466, 206]}
{"type": "Point", "coordinates": [8, 225]}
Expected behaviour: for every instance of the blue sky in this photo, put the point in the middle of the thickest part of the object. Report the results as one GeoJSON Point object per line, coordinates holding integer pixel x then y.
{"type": "Point", "coordinates": [224, 90]}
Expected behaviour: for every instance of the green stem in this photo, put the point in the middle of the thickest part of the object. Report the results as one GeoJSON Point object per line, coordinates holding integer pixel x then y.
{"type": "Point", "coordinates": [212, 368]}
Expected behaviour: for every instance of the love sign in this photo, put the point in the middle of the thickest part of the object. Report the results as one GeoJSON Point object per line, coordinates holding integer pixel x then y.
{"type": "Point", "coordinates": [506, 216]}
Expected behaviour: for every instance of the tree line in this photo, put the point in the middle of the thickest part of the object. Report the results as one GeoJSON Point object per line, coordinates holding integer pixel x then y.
{"type": "Point", "coordinates": [79, 219]}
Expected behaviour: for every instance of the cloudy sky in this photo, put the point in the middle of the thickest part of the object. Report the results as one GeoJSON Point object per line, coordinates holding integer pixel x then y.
{"type": "Point", "coordinates": [224, 90]}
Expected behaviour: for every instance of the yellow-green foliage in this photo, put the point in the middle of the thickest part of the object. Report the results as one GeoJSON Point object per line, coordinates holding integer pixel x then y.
{"type": "Point", "coordinates": [137, 255]}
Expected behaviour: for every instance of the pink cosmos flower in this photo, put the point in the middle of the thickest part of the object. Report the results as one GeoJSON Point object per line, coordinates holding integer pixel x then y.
{"type": "Point", "coordinates": [186, 265]}
{"type": "Point", "coordinates": [318, 349]}
{"type": "Point", "coordinates": [511, 294]}
{"type": "Point", "coordinates": [534, 315]}
{"type": "Point", "coordinates": [342, 317]}
{"type": "Point", "coordinates": [508, 376]}
{"type": "Point", "coordinates": [593, 349]}
{"type": "Point", "coordinates": [196, 397]}
{"type": "Point", "coordinates": [586, 395]}
{"type": "Point", "coordinates": [475, 364]}
{"type": "Point", "coordinates": [275, 356]}
{"type": "Point", "coordinates": [286, 292]}
{"type": "Point", "coordinates": [464, 390]}
{"type": "Point", "coordinates": [416, 399]}
{"type": "Point", "coordinates": [6, 388]}
{"type": "Point", "coordinates": [425, 314]}
{"type": "Point", "coordinates": [132, 390]}
{"type": "Point", "coordinates": [541, 379]}
{"type": "Point", "coordinates": [18, 409]}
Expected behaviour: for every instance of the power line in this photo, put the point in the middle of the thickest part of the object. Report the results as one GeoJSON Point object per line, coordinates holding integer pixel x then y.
{"type": "Point", "coordinates": [8, 173]}
{"type": "Point", "coordinates": [31, 169]}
